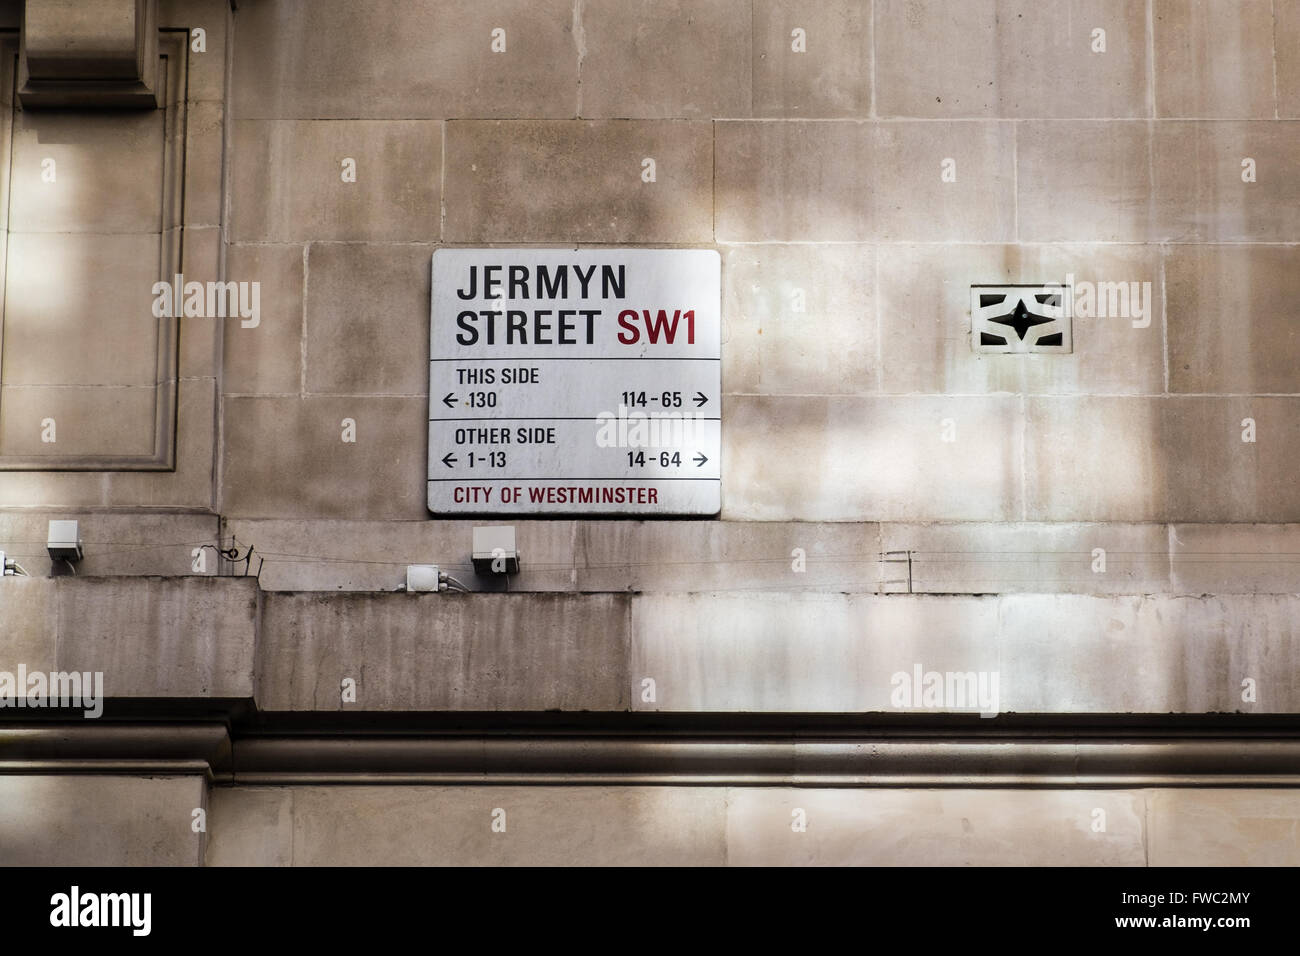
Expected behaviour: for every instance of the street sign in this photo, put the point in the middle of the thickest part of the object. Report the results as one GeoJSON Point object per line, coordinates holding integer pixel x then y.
{"type": "Point", "coordinates": [575, 382]}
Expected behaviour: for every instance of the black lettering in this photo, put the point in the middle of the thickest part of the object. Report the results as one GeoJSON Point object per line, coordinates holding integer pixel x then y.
{"type": "Point", "coordinates": [518, 280]}
{"type": "Point", "coordinates": [584, 279]}
{"type": "Point", "coordinates": [470, 334]}
{"type": "Point", "coordinates": [608, 281]}
{"type": "Point", "coordinates": [518, 321]}
{"type": "Point", "coordinates": [473, 284]}
{"type": "Point", "coordinates": [540, 327]}
{"type": "Point", "coordinates": [566, 326]}
{"type": "Point", "coordinates": [552, 288]}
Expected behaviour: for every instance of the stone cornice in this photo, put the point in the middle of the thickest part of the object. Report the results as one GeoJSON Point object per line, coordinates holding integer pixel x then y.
{"type": "Point", "coordinates": [717, 752]}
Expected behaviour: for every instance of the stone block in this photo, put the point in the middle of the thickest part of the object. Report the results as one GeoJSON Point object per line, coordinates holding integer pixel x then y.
{"type": "Point", "coordinates": [204, 146]}
{"type": "Point", "coordinates": [250, 826]}
{"type": "Point", "coordinates": [367, 318]}
{"type": "Point", "coordinates": [853, 181]}
{"type": "Point", "coordinates": [86, 321]}
{"type": "Point", "coordinates": [1221, 827]}
{"type": "Point", "coordinates": [1286, 40]}
{"type": "Point", "coordinates": [205, 73]}
{"type": "Point", "coordinates": [191, 637]}
{"type": "Point", "coordinates": [934, 827]}
{"type": "Point", "coordinates": [970, 557]}
{"type": "Point", "coordinates": [427, 59]}
{"type": "Point", "coordinates": [28, 635]}
{"type": "Point", "coordinates": [1236, 558]}
{"type": "Point", "coordinates": [1092, 458]}
{"type": "Point", "coordinates": [109, 820]}
{"type": "Point", "coordinates": [664, 59]}
{"type": "Point", "coordinates": [88, 420]}
{"type": "Point", "coordinates": [1085, 180]}
{"type": "Point", "coordinates": [914, 202]}
{"type": "Point", "coordinates": [794, 181]}
{"type": "Point", "coordinates": [200, 336]}
{"type": "Point", "coordinates": [814, 458]}
{"type": "Point", "coordinates": [1153, 459]}
{"type": "Point", "coordinates": [1009, 58]}
{"type": "Point", "coordinates": [426, 652]}
{"type": "Point", "coordinates": [530, 181]}
{"type": "Point", "coordinates": [1227, 333]}
{"type": "Point", "coordinates": [1212, 58]}
{"type": "Point", "coordinates": [266, 358]}
{"type": "Point", "coordinates": [1200, 181]}
{"type": "Point", "coordinates": [830, 76]}
{"type": "Point", "coordinates": [799, 319]}
{"type": "Point", "coordinates": [286, 457]}
{"type": "Point", "coordinates": [287, 180]}
{"type": "Point", "coordinates": [545, 826]}
{"type": "Point", "coordinates": [744, 652]}
{"type": "Point", "coordinates": [189, 485]}
{"type": "Point", "coordinates": [108, 171]}
{"type": "Point", "coordinates": [1148, 654]}
{"type": "Point", "coordinates": [725, 556]}
{"type": "Point", "coordinates": [1213, 475]}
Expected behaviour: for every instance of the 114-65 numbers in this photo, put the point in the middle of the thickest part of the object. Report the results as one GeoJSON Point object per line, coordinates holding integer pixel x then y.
{"type": "Point", "coordinates": [663, 400]}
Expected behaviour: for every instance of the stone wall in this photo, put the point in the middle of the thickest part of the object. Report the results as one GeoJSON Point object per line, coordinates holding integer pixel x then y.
{"type": "Point", "coordinates": [1113, 530]}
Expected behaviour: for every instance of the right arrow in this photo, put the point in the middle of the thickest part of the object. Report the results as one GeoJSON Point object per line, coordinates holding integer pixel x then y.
{"type": "Point", "coordinates": [700, 400]}
{"type": "Point", "coordinates": [699, 459]}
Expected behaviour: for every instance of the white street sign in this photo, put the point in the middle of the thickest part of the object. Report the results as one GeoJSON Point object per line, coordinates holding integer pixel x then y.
{"type": "Point", "coordinates": [575, 382]}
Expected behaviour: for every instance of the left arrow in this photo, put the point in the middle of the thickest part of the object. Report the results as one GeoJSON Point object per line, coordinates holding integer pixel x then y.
{"type": "Point", "coordinates": [446, 462]}
{"type": "Point", "coordinates": [449, 400]}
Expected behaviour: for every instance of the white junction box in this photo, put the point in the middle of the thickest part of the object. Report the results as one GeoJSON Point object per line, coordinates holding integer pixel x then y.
{"type": "Point", "coordinates": [421, 577]}
{"type": "Point", "coordinates": [64, 541]}
{"type": "Point", "coordinates": [495, 551]}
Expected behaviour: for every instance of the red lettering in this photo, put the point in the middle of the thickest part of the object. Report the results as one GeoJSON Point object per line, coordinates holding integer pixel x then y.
{"type": "Point", "coordinates": [630, 337]}
{"type": "Point", "coordinates": [660, 325]}
{"type": "Point", "coordinates": [574, 495]}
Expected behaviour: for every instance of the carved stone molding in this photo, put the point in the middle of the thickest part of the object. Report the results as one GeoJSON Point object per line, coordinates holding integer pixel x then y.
{"type": "Point", "coordinates": [89, 55]}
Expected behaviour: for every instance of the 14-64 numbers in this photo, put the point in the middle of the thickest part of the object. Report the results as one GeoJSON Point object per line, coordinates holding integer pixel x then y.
{"type": "Point", "coordinates": [664, 459]}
